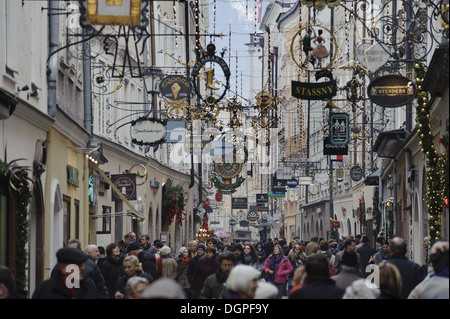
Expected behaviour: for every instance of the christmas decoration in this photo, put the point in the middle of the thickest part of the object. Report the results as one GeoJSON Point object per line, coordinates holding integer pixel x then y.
{"type": "Point", "coordinates": [173, 199]}
{"type": "Point", "coordinates": [16, 178]}
{"type": "Point", "coordinates": [437, 164]}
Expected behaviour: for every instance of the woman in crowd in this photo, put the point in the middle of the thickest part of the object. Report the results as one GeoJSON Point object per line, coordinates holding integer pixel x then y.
{"type": "Point", "coordinates": [112, 268]}
{"type": "Point", "coordinates": [181, 272]}
{"type": "Point", "coordinates": [132, 267]}
{"type": "Point", "coordinates": [250, 256]}
{"type": "Point", "coordinates": [277, 267]}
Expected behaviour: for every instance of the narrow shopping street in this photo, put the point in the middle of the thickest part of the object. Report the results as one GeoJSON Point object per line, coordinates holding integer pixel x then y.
{"type": "Point", "coordinates": [224, 149]}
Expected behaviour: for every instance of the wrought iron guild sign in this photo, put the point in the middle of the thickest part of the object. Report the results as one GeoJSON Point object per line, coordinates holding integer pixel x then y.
{"type": "Point", "coordinates": [210, 57]}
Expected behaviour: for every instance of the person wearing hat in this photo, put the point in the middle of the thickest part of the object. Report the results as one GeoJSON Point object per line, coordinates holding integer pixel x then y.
{"type": "Point", "coordinates": [148, 261]}
{"type": "Point", "coordinates": [165, 264]}
{"type": "Point", "coordinates": [68, 280]}
{"type": "Point", "coordinates": [349, 271]}
{"type": "Point", "coordinates": [201, 249]}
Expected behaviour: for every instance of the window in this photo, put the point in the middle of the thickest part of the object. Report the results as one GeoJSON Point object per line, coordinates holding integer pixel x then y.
{"type": "Point", "coordinates": [66, 219]}
{"type": "Point", "coordinates": [106, 220]}
{"type": "Point", "coordinates": [77, 218]}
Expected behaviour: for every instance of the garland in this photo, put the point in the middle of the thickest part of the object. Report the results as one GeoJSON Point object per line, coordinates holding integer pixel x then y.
{"type": "Point", "coordinates": [435, 164]}
{"type": "Point", "coordinates": [16, 178]}
{"type": "Point", "coordinates": [362, 213]}
{"type": "Point", "coordinates": [376, 215]}
{"type": "Point", "coordinates": [173, 199]}
{"type": "Point", "coordinates": [390, 219]}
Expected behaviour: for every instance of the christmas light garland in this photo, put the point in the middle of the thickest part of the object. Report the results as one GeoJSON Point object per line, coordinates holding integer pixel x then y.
{"type": "Point", "coordinates": [16, 178]}
{"type": "Point", "coordinates": [437, 167]}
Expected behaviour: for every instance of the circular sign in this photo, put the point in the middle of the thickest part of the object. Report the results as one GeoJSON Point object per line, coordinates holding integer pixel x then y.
{"type": "Point", "coordinates": [391, 91]}
{"type": "Point", "coordinates": [356, 173]}
{"type": "Point", "coordinates": [307, 54]}
{"type": "Point", "coordinates": [210, 58]}
{"type": "Point", "coordinates": [228, 170]}
{"type": "Point", "coordinates": [219, 197]}
{"type": "Point", "coordinates": [313, 189]}
{"type": "Point", "coordinates": [232, 222]}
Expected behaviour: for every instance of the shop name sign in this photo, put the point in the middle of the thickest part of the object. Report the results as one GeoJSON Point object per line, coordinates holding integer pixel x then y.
{"type": "Point", "coordinates": [314, 91]}
{"type": "Point", "coordinates": [175, 87]}
{"type": "Point", "coordinates": [147, 131]}
{"type": "Point", "coordinates": [391, 91]}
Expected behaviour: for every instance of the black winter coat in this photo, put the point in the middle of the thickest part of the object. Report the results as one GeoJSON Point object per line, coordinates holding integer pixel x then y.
{"type": "Point", "coordinates": [55, 288]}
{"type": "Point", "coordinates": [111, 270]}
{"type": "Point", "coordinates": [412, 273]}
{"type": "Point", "coordinates": [319, 288]}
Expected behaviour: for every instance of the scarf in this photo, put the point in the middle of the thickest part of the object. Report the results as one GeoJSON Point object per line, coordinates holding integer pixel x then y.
{"type": "Point", "coordinates": [185, 261]}
{"type": "Point", "coordinates": [273, 265]}
{"type": "Point", "coordinates": [384, 254]}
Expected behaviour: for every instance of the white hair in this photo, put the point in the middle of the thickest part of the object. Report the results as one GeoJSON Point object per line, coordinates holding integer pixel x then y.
{"type": "Point", "coordinates": [266, 290]}
{"type": "Point", "coordinates": [89, 248]}
{"type": "Point", "coordinates": [132, 284]}
{"type": "Point", "coordinates": [359, 290]}
{"type": "Point", "coordinates": [165, 250]}
{"type": "Point", "coordinates": [182, 250]}
{"type": "Point", "coordinates": [240, 278]}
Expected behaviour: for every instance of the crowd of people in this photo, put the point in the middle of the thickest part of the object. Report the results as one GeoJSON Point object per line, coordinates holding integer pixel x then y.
{"type": "Point", "coordinates": [350, 268]}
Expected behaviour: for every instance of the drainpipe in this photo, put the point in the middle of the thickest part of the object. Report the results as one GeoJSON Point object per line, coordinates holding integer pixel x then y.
{"type": "Point", "coordinates": [408, 161]}
{"type": "Point", "coordinates": [52, 67]}
{"type": "Point", "coordinates": [87, 98]}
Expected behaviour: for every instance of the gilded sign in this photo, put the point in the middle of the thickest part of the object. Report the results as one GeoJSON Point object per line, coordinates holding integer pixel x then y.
{"type": "Point", "coordinates": [391, 91]}
{"type": "Point", "coordinates": [314, 91]}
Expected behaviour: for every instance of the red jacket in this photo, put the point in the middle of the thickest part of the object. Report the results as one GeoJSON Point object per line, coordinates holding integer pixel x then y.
{"type": "Point", "coordinates": [283, 269]}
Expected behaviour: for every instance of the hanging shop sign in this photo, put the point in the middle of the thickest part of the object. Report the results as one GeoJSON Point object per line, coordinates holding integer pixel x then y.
{"type": "Point", "coordinates": [208, 76]}
{"type": "Point", "coordinates": [262, 198]}
{"type": "Point", "coordinates": [175, 87]}
{"type": "Point", "coordinates": [335, 224]}
{"type": "Point", "coordinates": [339, 128]}
{"type": "Point", "coordinates": [391, 91]}
{"type": "Point", "coordinates": [253, 215]}
{"type": "Point", "coordinates": [147, 131]}
{"type": "Point", "coordinates": [114, 12]}
{"type": "Point", "coordinates": [314, 91]}
{"type": "Point", "coordinates": [321, 178]}
{"type": "Point", "coordinates": [239, 203]}
{"type": "Point", "coordinates": [334, 149]}
{"type": "Point", "coordinates": [126, 184]}
{"type": "Point", "coordinates": [313, 189]}
{"type": "Point", "coordinates": [374, 56]}
{"type": "Point", "coordinates": [356, 173]}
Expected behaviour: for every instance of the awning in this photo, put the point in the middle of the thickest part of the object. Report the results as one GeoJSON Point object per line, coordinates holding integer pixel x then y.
{"type": "Point", "coordinates": [373, 178]}
{"type": "Point", "coordinates": [388, 144]}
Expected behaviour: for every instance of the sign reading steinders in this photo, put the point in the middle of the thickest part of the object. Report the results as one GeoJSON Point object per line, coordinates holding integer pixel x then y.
{"type": "Point", "coordinates": [391, 91]}
{"type": "Point", "coordinates": [314, 91]}
{"type": "Point", "coordinates": [126, 184]}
